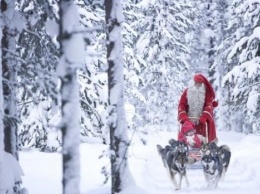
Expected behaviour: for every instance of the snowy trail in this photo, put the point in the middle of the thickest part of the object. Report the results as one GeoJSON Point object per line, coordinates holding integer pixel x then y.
{"type": "Point", "coordinates": [241, 176]}
{"type": "Point", "coordinates": [43, 171]}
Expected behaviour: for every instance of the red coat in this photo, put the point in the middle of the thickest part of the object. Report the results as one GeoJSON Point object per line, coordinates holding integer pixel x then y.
{"type": "Point", "coordinates": [207, 114]}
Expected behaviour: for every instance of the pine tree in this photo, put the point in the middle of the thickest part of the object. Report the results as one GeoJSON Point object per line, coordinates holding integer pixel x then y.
{"type": "Point", "coordinates": [93, 79]}
{"type": "Point", "coordinates": [195, 37]}
{"type": "Point", "coordinates": [37, 49]}
{"type": "Point", "coordinates": [243, 62]}
{"type": "Point", "coordinates": [163, 52]}
{"type": "Point", "coordinates": [223, 111]}
{"type": "Point", "coordinates": [133, 61]}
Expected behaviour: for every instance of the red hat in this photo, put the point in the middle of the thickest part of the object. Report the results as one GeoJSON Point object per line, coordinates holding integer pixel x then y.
{"type": "Point", "coordinates": [201, 79]}
{"type": "Point", "coordinates": [187, 126]}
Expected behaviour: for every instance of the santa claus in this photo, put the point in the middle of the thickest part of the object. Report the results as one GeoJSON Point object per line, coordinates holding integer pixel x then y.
{"type": "Point", "coordinates": [197, 104]}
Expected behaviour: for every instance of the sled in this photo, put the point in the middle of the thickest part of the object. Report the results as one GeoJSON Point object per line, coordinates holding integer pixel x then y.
{"type": "Point", "coordinates": [195, 154]}
{"type": "Point", "coordinates": [194, 158]}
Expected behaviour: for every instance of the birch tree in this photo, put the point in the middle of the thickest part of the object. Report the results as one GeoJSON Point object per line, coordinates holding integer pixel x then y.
{"type": "Point", "coordinates": [1, 113]}
{"type": "Point", "coordinates": [116, 120]}
{"type": "Point", "coordinates": [9, 76]}
{"type": "Point", "coordinates": [72, 46]}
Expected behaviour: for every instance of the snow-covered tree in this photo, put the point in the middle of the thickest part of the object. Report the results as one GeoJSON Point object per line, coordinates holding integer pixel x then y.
{"type": "Point", "coordinates": [243, 61]}
{"type": "Point", "coordinates": [132, 60]}
{"type": "Point", "coordinates": [202, 38]}
{"type": "Point", "coordinates": [93, 78]}
{"type": "Point", "coordinates": [37, 49]}
{"type": "Point", "coordinates": [223, 111]}
{"type": "Point", "coordinates": [195, 36]}
{"type": "Point", "coordinates": [163, 57]}
{"type": "Point", "coordinates": [116, 119]}
{"type": "Point", "coordinates": [72, 48]}
{"type": "Point", "coordinates": [9, 76]}
{"type": "Point", "coordinates": [212, 23]}
{"type": "Point", "coordinates": [1, 113]}
{"type": "Point", "coordinates": [10, 170]}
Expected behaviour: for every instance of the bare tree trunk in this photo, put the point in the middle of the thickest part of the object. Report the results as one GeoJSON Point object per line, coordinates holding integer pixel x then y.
{"type": "Point", "coordinates": [70, 105]}
{"type": "Point", "coordinates": [117, 121]}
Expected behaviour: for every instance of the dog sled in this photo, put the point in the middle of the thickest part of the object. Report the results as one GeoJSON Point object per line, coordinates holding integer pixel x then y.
{"type": "Point", "coordinates": [195, 154]}
{"type": "Point", "coordinates": [194, 158]}
{"type": "Point", "coordinates": [213, 160]}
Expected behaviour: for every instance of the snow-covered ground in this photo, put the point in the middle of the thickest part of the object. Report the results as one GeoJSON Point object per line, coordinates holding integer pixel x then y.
{"type": "Point", "coordinates": [43, 170]}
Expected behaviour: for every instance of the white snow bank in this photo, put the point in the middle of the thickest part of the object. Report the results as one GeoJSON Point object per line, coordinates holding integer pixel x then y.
{"type": "Point", "coordinates": [12, 172]}
{"type": "Point", "coordinates": [43, 170]}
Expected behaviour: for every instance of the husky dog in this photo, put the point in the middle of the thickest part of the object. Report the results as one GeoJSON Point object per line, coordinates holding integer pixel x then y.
{"type": "Point", "coordinates": [213, 148]}
{"type": "Point", "coordinates": [222, 151]}
{"type": "Point", "coordinates": [182, 147]}
{"type": "Point", "coordinates": [175, 161]}
{"type": "Point", "coordinates": [212, 169]}
{"type": "Point", "coordinates": [204, 149]}
{"type": "Point", "coordinates": [225, 154]}
{"type": "Point", "coordinates": [209, 149]}
{"type": "Point", "coordinates": [178, 146]}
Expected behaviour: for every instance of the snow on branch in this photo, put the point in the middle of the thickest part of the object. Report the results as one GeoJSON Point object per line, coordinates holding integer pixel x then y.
{"type": "Point", "coordinates": [238, 47]}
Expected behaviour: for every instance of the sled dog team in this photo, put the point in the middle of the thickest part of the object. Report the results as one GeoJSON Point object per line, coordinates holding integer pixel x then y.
{"type": "Point", "coordinates": [215, 161]}
{"type": "Point", "coordinates": [198, 131]}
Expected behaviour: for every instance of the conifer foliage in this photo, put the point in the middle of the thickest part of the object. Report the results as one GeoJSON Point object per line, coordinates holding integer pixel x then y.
{"type": "Point", "coordinates": [244, 64]}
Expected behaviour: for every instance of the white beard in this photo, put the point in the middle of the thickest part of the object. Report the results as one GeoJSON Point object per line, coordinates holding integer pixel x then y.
{"type": "Point", "coordinates": [196, 99]}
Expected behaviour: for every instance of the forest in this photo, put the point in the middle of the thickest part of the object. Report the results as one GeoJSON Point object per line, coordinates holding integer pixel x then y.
{"type": "Point", "coordinates": [74, 70]}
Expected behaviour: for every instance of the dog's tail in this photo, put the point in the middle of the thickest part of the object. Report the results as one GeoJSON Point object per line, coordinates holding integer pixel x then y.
{"type": "Point", "coordinates": [225, 147]}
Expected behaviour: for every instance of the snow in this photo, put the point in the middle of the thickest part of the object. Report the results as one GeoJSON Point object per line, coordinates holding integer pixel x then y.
{"type": "Point", "coordinates": [252, 99]}
{"type": "Point", "coordinates": [43, 172]}
{"type": "Point", "coordinates": [12, 175]}
{"type": "Point", "coordinates": [52, 28]}
{"type": "Point", "coordinates": [12, 172]}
